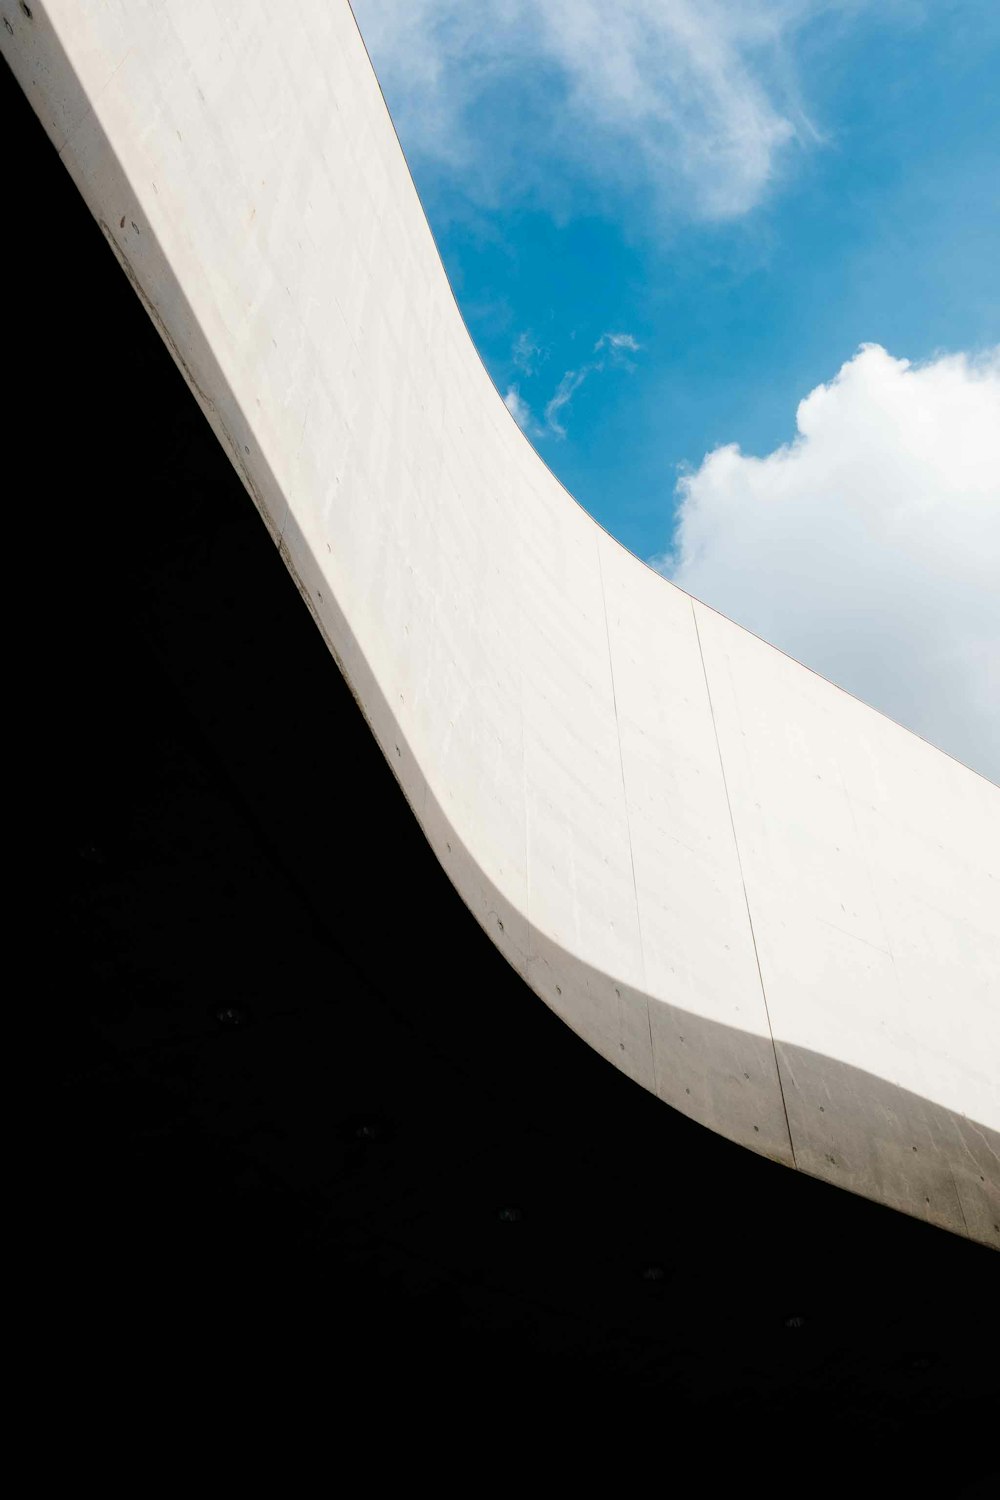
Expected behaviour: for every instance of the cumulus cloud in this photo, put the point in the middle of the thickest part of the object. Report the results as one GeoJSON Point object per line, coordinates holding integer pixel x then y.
{"type": "Point", "coordinates": [691, 98]}
{"type": "Point", "coordinates": [869, 546]}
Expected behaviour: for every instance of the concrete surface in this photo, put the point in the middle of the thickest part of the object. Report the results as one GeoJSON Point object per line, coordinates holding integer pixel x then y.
{"type": "Point", "coordinates": [756, 896]}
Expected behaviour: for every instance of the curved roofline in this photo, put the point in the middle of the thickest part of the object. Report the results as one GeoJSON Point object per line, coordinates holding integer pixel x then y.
{"type": "Point", "coordinates": [644, 562]}
{"type": "Point", "coordinates": [660, 820]}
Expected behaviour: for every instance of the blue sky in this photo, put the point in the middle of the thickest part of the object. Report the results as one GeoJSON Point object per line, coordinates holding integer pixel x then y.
{"type": "Point", "coordinates": [750, 192]}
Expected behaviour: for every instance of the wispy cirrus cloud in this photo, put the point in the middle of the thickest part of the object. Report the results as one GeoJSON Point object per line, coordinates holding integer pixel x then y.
{"type": "Point", "coordinates": [691, 99]}
{"type": "Point", "coordinates": [527, 354]}
{"type": "Point", "coordinates": [618, 343]}
{"type": "Point", "coordinates": [613, 348]}
{"type": "Point", "coordinates": [617, 347]}
{"type": "Point", "coordinates": [562, 396]}
{"type": "Point", "coordinates": [519, 409]}
{"type": "Point", "coordinates": [869, 546]}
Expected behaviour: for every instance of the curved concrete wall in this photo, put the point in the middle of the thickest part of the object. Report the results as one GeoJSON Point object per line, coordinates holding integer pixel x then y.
{"type": "Point", "coordinates": [755, 895]}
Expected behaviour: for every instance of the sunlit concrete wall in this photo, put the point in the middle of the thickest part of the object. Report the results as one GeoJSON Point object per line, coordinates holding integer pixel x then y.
{"type": "Point", "coordinates": [753, 894]}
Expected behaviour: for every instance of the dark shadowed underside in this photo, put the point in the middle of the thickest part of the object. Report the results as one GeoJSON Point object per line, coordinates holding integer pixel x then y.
{"type": "Point", "coordinates": [283, 1123]}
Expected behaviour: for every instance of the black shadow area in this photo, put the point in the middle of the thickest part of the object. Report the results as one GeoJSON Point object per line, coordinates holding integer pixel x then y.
{"type": "Point", "coordinates": [303, 1125]}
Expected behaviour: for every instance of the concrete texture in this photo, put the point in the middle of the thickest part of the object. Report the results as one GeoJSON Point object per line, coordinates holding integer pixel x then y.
{"type": "Point", "coordinates": [760, 899]}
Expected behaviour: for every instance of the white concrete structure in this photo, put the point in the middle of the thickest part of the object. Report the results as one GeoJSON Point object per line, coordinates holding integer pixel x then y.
{"type": "Point", "coordinates": [755, 895]}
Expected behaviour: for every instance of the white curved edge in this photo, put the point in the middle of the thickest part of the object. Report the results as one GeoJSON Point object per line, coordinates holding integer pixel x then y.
{"type": "Point", "coordinates": [753, 894]}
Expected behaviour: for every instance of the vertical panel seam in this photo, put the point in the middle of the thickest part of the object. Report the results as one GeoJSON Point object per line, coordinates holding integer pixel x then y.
{"type": "Point", "coordinates": [743, 883]}
{"type": "Point", "coordinates": [529, 927]}
{"type": "Point", "coordinates": [628, 823]}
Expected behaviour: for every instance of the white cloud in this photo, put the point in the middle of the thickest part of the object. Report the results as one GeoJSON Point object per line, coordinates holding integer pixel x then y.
{"type": "Point", "coordinates": [616, 342]}
{"type": "Point", "coordinates": [527, 355]}
{"type": "Point", "coordinates": [519, 409]}
{"type": "Point", "coordinates": [618, 347]}
{"type": "Point", "coordinates": [869, 547]}
{"type": "Point", "coordinates": [572, 380]}
{"type": "Point", "coordinates": [693, 98]}
{"type": "Point", "coordinates": [564, 393]}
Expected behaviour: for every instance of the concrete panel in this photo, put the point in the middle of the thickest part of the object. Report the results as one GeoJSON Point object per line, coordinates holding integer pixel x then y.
{"type": "Point", "coordinates": [872, 871]}
{"type": "Point", "coordinates": [751, 893]}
